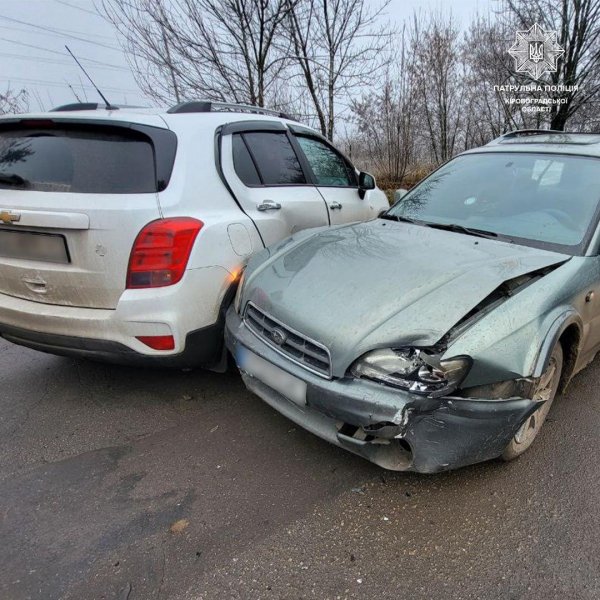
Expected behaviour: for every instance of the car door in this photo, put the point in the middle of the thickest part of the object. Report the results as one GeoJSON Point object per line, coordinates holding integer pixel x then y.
{"type": "Point", "coordinates": [336, 180]}
{"type": "Point", "coordinates": [269, 180]}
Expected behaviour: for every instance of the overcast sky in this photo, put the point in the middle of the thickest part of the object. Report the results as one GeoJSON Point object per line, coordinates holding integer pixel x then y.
{"type": "Point", "coordinates": [33, 34]}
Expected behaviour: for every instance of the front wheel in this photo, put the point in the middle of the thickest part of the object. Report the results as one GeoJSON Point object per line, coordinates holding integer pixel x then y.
{"type": "Point", "coordinates": [545, 391]}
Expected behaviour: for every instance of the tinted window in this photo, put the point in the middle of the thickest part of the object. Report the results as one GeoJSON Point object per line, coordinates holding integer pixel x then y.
{"type": "Point", "coordinates": [275, 158]}
{"type": "Point", "coordinates": [327, 165]}
{"type": "Point", "coordinates": [77, 161]}
{"type": "Point", "coordinates": [242, 162]}
{"type": "Point", "coordinates": [541, 198]}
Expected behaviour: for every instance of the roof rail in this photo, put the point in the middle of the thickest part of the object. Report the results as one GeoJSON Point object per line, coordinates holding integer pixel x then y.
{"type": "Point", "coordinates": [202, 106]}
{"type": "Point", "coordinates": [89, 106]}
{"type": "Point", "coordinates": [526, 132]}
{"type": "Point", "coordinates": [76, 106]}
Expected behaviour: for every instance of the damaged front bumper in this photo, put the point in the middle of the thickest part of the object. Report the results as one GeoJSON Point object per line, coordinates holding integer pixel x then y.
{"type": "Point", "coordinates": [394, 429]}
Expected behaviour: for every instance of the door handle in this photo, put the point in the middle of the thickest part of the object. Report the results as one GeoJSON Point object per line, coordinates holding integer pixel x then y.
{"type": "Point", "coordinates": [335, 205]}
{"type": "Point", "coordinates": [268, 205]}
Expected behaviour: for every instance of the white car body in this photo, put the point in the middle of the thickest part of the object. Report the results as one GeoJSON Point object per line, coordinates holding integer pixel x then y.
{"type": "Point", "coordinates": [82, 305]}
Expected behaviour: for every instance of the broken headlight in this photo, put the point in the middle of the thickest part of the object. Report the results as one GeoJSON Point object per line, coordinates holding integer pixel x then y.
{"type": "Point", "coordinates": [413, 369]}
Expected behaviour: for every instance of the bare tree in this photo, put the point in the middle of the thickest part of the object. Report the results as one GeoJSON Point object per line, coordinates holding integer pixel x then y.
{"type": "Point", "coordinates": [328, 62]}
{"type": "Point", "coordinates": [216, 49]}
{"type": "Point", "coordinates": [438, 68]}
{"type": "Point", "coordinates": [386, 120]}
{"type": "Point", "coordinates": [14, 101]}
{"type": "Point", "coordinates": [488, 65]}
{"type": "Point", "coordinates": [577, 23]}
{"type": "Point", "coordinates": [339, 46]}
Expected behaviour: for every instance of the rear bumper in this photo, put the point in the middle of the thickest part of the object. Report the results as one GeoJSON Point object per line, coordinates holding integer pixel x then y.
{"type": "Point", "coordinates": [202, 347]}
{"type": "Point", "coordinates": [416, 433]}
{"type": "Point", "coordinates": [191, 311]}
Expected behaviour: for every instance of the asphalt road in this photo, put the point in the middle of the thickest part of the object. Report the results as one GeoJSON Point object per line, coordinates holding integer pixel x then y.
{"type": "Point", "coordinates": [133, 484]}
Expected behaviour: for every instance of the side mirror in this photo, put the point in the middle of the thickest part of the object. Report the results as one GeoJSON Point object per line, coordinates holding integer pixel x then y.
{"type": "Point", "coordinates": [399, 194]}
{"type": "Point", "coordinates": [366, 181]}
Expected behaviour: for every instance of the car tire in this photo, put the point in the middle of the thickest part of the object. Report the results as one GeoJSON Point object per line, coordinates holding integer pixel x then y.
{"type": "Point", "coordinates": [546, 390]}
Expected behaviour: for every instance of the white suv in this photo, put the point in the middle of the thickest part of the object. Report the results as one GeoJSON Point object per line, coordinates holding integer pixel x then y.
{"type": "Point", "coordinates": [123, 232]}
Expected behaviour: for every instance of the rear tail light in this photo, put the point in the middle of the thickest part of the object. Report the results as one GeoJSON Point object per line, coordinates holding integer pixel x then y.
{"type": "Point", "coordinates": [158, 342]}
{"type": "Point", "coordinates": [161, 251]}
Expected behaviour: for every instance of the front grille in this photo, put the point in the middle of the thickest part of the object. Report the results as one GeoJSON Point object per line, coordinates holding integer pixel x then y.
{"type": "Point", "coordinates": [303, 351]}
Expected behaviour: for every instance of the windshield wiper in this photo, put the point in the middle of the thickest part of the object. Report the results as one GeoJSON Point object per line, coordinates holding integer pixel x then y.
{"type": "Point", "coordinates": [445, 226]}
{"type": "Point", "coordinates": [13, 179]}
{"type": "Point", "coordinates": [462, 229]}
{"type": "Point", "coordinates": [399, 218]}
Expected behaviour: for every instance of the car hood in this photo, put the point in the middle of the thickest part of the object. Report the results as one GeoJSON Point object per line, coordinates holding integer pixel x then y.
{"type": "Point", "coordinates": [384, 283]}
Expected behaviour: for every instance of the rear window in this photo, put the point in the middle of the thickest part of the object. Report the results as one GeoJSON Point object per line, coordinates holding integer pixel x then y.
{"type": "Point", "coordinates": [89, 161]}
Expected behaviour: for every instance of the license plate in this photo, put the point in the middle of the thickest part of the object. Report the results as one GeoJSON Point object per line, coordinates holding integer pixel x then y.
{"type": "Point", "coordinates": [28, 245]}
{"type": "Point", "coordinates": [287, 385]}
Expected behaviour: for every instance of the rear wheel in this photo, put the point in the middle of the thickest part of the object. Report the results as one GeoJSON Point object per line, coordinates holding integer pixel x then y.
{"type": "Point", "coordinates": [545, 391]}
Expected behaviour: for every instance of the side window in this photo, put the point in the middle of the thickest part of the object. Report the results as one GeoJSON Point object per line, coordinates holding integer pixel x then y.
{"type": "Point", "coordinates": [243, 163]}
{"type": "Point", "coordinates": [328, 166]}
{"type": "Point", "coordinates": [273, 157]}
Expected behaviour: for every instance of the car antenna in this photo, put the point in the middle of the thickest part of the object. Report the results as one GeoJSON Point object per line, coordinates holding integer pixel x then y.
{"type": "Point", "coordinates": [108, 104]}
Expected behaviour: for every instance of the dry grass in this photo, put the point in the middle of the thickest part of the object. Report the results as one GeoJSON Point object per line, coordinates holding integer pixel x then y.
{"type": "Point", "coordinates": [412, 177]}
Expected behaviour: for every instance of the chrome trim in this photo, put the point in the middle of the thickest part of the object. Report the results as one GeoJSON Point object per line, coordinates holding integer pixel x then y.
{"type": "Point", "coordinates": [278, 349]}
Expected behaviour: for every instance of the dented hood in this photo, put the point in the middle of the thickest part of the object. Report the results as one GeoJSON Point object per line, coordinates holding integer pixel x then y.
{"type": "Point", "coordinates": [384, 283]}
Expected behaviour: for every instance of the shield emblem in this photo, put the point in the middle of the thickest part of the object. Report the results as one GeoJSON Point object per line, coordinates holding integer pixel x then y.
{"type": "Point", "coordinates": [536, 51]}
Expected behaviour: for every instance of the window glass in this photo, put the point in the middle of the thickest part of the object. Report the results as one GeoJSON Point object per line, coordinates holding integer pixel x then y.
{"type": "Point", "coordinates": [547, 172]}
{"type": "Point", "coordinates": [328, 166]}
{"type": "Point", "coordinates": [544, 198]}
{"type": "Point", "coordinates": [76, 161]}
{"type": "Point", "coordinates": [275, 158]}
{"type": "Point", "coordinates": [242, 162]}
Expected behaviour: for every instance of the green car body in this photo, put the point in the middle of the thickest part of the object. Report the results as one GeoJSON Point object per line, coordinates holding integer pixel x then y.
{"type": "Point", "coordinates": [418, 343]}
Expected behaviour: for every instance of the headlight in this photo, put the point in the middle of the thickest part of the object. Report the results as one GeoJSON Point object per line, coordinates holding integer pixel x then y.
{"type": "Point", "coordinates": [413, 369]}
{"type": "Point", "coordinates": [238, 293]}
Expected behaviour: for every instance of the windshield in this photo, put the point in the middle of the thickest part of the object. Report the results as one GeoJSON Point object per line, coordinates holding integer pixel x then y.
{"type": "Point", "coordinates": [544, 200]}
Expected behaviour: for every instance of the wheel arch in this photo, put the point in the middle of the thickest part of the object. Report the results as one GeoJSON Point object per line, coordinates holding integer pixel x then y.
{"type": "Point", "coordinates": [567, 329]}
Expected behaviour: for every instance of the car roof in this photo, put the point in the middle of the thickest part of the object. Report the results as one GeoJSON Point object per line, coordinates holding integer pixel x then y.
{"type": "Point", "coordinates": [143, 116]}
{"type": "Point", "coordinates": [159, 117]}
{"type": "Point", "coordinates": [544, 141]}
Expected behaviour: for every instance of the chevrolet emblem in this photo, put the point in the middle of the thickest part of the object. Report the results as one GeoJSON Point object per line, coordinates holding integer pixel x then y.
{"type": "Point", "coordinates": [8, 217]}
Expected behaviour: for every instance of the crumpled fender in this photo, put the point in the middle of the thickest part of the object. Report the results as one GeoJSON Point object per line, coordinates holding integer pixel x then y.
{"type": "Point", "coordinates": [563, 317]}
{"type": "Point", "coordinates": [516, 339]}
{"type": "Point", "coordinates": [522, 352]}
